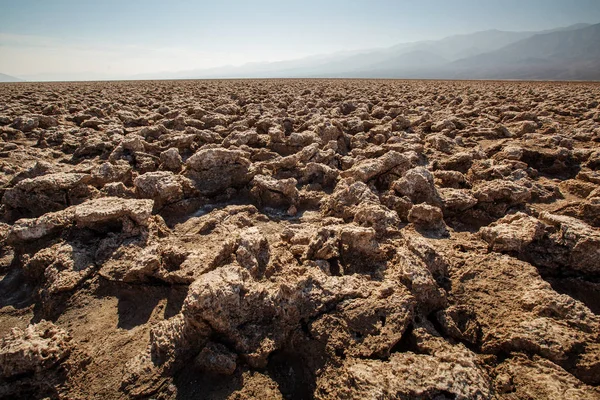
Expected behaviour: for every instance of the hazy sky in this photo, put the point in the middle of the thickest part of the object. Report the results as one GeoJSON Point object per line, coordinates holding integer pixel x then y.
{"type": "Point", "coordinates": [119, 38]}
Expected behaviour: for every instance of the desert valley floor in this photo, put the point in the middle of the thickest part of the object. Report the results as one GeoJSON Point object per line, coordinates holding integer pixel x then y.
{"type": "Point", "coordinates": [300, 239]}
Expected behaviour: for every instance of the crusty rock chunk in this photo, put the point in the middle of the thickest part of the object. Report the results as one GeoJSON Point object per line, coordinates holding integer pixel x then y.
{"type": "Point", "coordinates": [522, 377]}
{"type": "Point", "coordinates": [590, 209]}
{"type": "Point", "coordinates": [502, 191]}
{"type": "Point", "coordinates": [28, 229]}
{"type": "Point", "coordinates": [456, 200]}
{"type": "Point", "coordinates": [391, 162]}
{"type": "Point", "coordinates": [47, 193]}
{"type": "Point", "coordinates": [108, 172]}
{"type": "Point", "coordinates": [34, 349]}
{"type": "Point", "coordinates": [133, 143]}
{"type": "Point", "coordinates": [443, 370]}
{"type": "Point", "coordinates": [346, 196]}
{"type": "Point", "coordinates": [304, 250]}
{"type": "Point", "coordinates": [207, 159]}
{"type": "Point", "coordinates": [518, 311]}
{"type": "Point", "coordinates": [25, 124]}
{"type": "Point", "coordinates": [107, 209]}
{"type": "Point", "coordinates": [91, 214]}
{"type": "Point", "coordinates": [368, 327]}
{"type": "Point", "coordinates": [418, 274]}
{"type": "Point", "coordinates": [253, 251]}
{"type": "Point", "coordinates": [316, 173]}
{"type": "Point", "coordinates": [217, 169]}
{"type": "Point", "coordinates": [215, 300]}
{"type": "Point", "coordinates": [443, 125]}
{"type": "Point", "coordinates": [377, 216]}
{"type": "Point", "coordinates": [153, 132]}
{"type": "Point", "coordinates": [582, 241]}
{"type": "Point", "coordinates": [62, 267]}
{"type": "Point", "coordinates": [450, 179]}
{"type": "Point", "coordinates": [163, 187]}
{"type": "Point", "coordinates": [360, 242]}
{"type": "Point", "coordinates": [427, 217]}
{"type": "Point", "coordinates": [460, 162]}
{"type": "Point", "coordinates": [38, 169]}
{"type": "Point", "coordinates": [171, 159]}
{"type": "Point", "coordinates": [271, 192]}
{"type": "Point", "coordinates": [249, 138]}
{"type": "Point", "coordinates": [216, 358]}
{"type": "Point", "coordinates": [131, 120]}
{"type": "Point", "coordinates": [417, 184]}
{"type": "Point", "coordinates": [513, 232]}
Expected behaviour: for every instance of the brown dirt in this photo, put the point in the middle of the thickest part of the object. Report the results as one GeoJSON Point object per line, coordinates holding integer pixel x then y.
{"type": "Point", "coordinates": [300, 239]}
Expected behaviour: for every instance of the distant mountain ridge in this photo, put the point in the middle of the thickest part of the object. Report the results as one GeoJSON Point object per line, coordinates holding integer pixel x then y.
{"type": "Point", "coordinates": [571, 54]}
{"type": "Point", "coordinates": [8, 78]}
{"type": "Point", "coordinates": [567, 53]}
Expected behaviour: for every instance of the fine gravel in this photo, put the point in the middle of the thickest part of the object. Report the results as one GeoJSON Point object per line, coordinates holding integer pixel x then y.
{"type": "Point", "coordinates": [300, 239]}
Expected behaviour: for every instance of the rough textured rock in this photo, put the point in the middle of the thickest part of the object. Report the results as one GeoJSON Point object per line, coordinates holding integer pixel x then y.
{"type": "Point", "coordinates": [216, 358]}
{"type": "Point", "coordinates": [427, 217]}
{"type": "Point", "coordinates": [35, 349]}
{"type": "Point", "coordinates": [534, 318]}
{"type": "Point", "coordinates": [346, 197]}
{"type": "Point", "coordinates": [522, 378]}
{"type": "Point", "coordinates": [163, 187]}
{"type": "Point", "coordinates": [47, 193]}
{"type": "Point", "coordinates": [91, 214]}
{"type": "Point", "coordinates": [417, 185]}
{"type": "Point", "coordinates": [62, 266]}
{"type": "Point", "coordinates": [299, 239]}
{"type": "Point", "coordinates": [217, 169]}
{"type": "Point", "coordinates": [171, 159]}
{"type": "Point", "coordinates": [390, 163]}
{"type": "Point", "coordinates": [274, 193]}
{"type": "Point", "coordinates": [108, 173]}
{"type": "Point", "coordinates": [582, 241]}
{"type": "Point", "coordinates": [102, 211]}
{"type": "Point", "coordinates": [513, 232]}
{"type": "Point", "coordinates": [456, 200]}
{"type": "Point", "coordinates": [439, 370]}
{"type": "Point", "coordinates": [502, 191]}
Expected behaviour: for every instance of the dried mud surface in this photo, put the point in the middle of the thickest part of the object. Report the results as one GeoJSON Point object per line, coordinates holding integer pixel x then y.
{"type": "Point", "coordinates": [300, 239]}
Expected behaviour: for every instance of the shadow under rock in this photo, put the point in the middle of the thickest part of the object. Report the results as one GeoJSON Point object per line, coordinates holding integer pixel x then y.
{"type": "Point", "coordinates": [136, 303]}
{"type": "Point", "coordinates": [433, 233]}
{"type": "Point", "coordinates": [15, 291]}
{"type": "Point", "coordinates": [180, 212]}
{"type": "Point", "coordinates": [292, 376]}
{"type": "Point", "coordinates": [553, 263]}
{"type": "Point", "coordinates": [194, 383]}
{"type": "Point", "coordinates": [585, 291]}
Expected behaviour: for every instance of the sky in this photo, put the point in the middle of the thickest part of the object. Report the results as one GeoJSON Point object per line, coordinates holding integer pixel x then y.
{"type": "Point", "coordinates": [85, 39]}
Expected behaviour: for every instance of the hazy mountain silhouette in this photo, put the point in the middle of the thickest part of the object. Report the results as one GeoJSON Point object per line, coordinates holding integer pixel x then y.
{"type": "Point", "coordinates": [572, 54]}
{"type": "Point", "coordinates": [429, 54]}
{"type": "Point", "coordinates": [566, 53]}
{"type": "Point", "coordinates": [563, 53]}
{"type": "Point", "coordinates": [8, 78]}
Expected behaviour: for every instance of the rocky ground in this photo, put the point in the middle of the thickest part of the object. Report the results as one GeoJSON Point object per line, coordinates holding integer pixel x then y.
{"type": "Point", "coordinates": [300, 239]}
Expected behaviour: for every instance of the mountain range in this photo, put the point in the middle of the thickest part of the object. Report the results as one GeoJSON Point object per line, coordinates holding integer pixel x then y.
{"type": "Point", "coordinates": [8, 78]}
{"type": "Point", "coordinates": [568, 53]}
